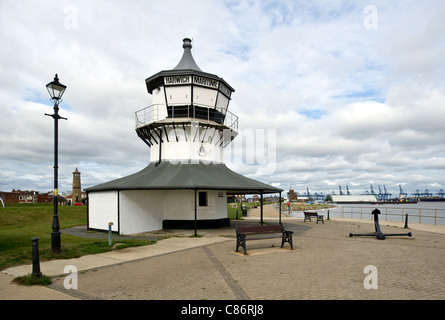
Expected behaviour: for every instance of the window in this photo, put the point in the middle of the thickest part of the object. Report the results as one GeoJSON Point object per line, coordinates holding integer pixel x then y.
{"type": "Point", "coordinates": [202, 199]}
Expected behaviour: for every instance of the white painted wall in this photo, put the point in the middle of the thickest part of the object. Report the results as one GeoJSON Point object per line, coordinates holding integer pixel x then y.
{"type": "Point", "coordinates": [222, 103]}
{"type": "Point", "coordinates": [159, 110]}
{"type": "Point", "coordinates": [102, 209]}
{"type": "Point", "coordinates": [141, 210]}
{"type": "Point", "coordinates": [204, 96]}
{"type": "Point", "coordinates": [179, 205]}
{"type": "Point", "coordinates": [216, 207]}
{"type": "Point", "coordinates": [188, 147]}
{"type": "Point", "coordinates": [220, 204]}
{"type": "Point", "coordinates": [144, 210]}
{"type": "Point", "coordinates": [178, 95]}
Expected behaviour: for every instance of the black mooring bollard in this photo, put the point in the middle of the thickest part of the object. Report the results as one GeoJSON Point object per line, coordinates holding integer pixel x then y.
{"type": "Point", "coordinates": [406, 221]}
{"type": "Point", "coordinates": [35, 258]}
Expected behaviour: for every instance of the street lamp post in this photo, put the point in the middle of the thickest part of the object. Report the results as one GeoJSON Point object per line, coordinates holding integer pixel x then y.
{"type": "Point", "coordinates": [56, 90]}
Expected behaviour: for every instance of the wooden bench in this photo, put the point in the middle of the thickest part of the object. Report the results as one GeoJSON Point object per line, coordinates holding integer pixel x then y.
{"type": "Point", "coordinates": [244, 233]}
{"type": "Point", "coordinates": [310, 215]}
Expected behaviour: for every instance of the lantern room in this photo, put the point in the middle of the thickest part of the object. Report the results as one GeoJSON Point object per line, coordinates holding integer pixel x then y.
{"type": "Point", "coordinates": [188, 91]}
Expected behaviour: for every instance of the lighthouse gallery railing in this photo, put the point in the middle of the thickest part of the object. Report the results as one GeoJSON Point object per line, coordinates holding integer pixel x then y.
{"type": "Point", "coordinates": [158, 112]}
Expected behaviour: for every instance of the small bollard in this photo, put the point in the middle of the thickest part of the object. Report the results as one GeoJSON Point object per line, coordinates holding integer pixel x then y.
{"type": "Point", "coordinates": [35, 258]}
{"type": "Point", "coordinates": [406, 221]}
{"type": "Point", "coordinates": [328, 216]}
{"type": "Point", "coordinates": [110, 241]}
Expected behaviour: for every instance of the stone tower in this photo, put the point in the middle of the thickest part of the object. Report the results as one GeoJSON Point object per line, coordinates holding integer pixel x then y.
{"type": "Point", "coordinates": [77, 190]}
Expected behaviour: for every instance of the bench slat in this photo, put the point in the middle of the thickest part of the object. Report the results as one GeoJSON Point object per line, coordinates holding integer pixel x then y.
{"type": "Point", "coordinates": [262, 229]}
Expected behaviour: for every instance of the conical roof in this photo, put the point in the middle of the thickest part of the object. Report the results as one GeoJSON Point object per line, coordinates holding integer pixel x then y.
{"type": "Point", "coordinates": [187, 62]}
{"type": "Point", "coordinates": [186, 66]}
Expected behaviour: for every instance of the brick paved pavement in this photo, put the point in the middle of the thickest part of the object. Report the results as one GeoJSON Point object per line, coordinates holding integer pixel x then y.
{"type": "Point", "coordinates": [326, 264]}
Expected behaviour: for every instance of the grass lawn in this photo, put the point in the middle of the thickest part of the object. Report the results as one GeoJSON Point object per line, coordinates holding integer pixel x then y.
{"type": "Point", "coordinates": [301, 206]}
{"type": "Point", "coordinates": [21, 222]}
{"type": "Point", "coordinates": [231, 210]}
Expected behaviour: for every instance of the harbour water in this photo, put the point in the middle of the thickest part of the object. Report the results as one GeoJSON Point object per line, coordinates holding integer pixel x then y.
{"type": "Point", "coordinates": [421, 212]}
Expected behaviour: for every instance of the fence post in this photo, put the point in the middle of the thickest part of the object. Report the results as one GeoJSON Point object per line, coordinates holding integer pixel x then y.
{"type": "Point", "coordinates": [35, 258]}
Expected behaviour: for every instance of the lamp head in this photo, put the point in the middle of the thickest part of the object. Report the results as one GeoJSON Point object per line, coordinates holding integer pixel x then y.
{"type": "Point", "coordinates": [55, 89]}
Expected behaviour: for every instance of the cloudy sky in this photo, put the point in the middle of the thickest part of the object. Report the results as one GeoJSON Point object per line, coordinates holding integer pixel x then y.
{"type": "Point", "coordinates": [346, 92]}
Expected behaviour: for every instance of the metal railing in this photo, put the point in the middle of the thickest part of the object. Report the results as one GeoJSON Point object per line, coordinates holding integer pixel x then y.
{"type": "Point", "coordinates": [419, 215]}
{"type": "Point", "coordinates": [158, 112]}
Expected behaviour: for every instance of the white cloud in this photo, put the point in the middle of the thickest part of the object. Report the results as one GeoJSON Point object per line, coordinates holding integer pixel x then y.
{"type": "Point", "coordinates": [349, 105]}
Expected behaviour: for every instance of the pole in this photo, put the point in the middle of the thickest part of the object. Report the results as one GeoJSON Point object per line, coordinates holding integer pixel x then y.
{"type": "Point", "coordinates": [110, 240]}
{"type": "Point", "coordinates": [241, 207]}
{"type": "Point", "coordinates": [35, 258]}
{"type": "Point", "coordinates": [55, 235]}
{"type": "Point", "coordinates": [406, 221]}
{"type": "Point", "coordinates": [261, 208]}
{"type": "Point", "coordinates": [279, 204]}
{"type": "Point", "coordinates": [196, 213]}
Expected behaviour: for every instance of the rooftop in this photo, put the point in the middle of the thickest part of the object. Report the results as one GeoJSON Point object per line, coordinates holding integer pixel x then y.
{"type": "Point", "coordinates": [185, 175]}
{"type": "Point", "coordinates": [187, 62]}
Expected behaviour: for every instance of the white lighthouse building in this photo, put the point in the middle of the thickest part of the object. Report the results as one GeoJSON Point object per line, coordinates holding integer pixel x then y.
{"type": "Point", "coordinates": [186, 183]}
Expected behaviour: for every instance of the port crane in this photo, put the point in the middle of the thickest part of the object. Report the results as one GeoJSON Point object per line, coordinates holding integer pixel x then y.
{"type": "Point", "coordinates": [339, 189]}
{"type": "Point", "coordinates": [402, 195]}
{"type": "Point", "coordinates": [383, 196]}
{"type": "Point", "coordinates": [387, 195]}
{"type": "Point", "coordinates": [425, 194]}
{"type": "Point", "coordinates": [380, 195]}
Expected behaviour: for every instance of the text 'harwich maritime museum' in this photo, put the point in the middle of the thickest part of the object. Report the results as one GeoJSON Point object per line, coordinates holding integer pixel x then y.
{"type": "Point", "coordinates": [186, 183]}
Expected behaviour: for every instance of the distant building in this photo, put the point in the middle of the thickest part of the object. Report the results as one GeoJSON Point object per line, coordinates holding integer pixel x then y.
{"type": "Point", "coordinates": [271, 198]}
{"type": "Point", "coordinates": [18, 196]}
{"type": "Point", "coordinates": [292, 196]}
{"type": "Point", "coordinates": [352, 198]}
{"type": "Point", "coordinates": [44, 198]}
{"type": "Point", "coordinates": [76, 196]}
{"type": "Point", "coordinates": [9, 197]}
